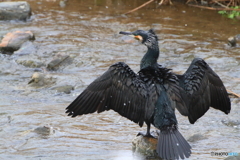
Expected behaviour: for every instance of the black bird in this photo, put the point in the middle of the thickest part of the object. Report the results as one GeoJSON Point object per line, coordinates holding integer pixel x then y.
{"type": "Point", "coordinates": [152, 95]}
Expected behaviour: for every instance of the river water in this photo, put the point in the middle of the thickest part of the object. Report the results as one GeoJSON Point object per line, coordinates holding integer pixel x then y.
{"type": "Point", "coordinates": [87, 31]}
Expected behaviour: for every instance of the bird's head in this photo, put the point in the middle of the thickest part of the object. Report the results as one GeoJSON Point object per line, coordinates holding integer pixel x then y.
{"type": "Point", "coordinates": [148, 38]}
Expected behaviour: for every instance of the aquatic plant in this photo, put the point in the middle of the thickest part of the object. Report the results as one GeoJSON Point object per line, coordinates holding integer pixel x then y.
{"type": "Point", "coordinates": [231, 14]}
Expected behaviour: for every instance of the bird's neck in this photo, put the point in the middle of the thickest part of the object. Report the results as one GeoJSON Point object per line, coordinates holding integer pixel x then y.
{"type": "Point", "coordinates": [151, 57]}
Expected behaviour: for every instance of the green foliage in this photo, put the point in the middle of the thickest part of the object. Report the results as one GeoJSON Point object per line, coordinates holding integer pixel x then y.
{"type": "Point", "coordinates": [231, 14]}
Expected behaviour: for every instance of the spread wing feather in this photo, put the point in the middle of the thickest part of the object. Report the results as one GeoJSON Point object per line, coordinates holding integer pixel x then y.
{"type": "Point", "coordinates": [119, 89]}
{"type": "Point", "coordinates": [204, 89]}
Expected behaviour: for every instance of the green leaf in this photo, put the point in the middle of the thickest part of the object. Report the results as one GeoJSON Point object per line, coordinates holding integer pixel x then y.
{"type": "Point", "coordinates": [231, 16]}
{"type": "Point", "coordinates": [222, 12]}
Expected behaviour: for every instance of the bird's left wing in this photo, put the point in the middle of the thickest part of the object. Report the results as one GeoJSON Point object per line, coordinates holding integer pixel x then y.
{"type": "Point", "coordinates": [204, 89]}
{"type": "Point", "coordinates": [119, 89]}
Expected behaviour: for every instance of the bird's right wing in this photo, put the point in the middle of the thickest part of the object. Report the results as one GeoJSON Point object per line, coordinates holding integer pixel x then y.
{"type": "Point", "coordinates": [204, 89]}
{"type": "Point", "coordinates": [119, 89]}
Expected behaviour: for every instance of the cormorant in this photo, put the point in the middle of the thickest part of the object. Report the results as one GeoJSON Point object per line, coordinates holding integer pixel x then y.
{"type": "Point", "coordinates": [152, 95]}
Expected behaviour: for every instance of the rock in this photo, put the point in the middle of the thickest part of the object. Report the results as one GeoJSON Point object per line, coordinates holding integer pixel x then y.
{"type": "Point", "coordinates": [59, 60]}
{"type": "Point", "coordinates": [13, 41]}
{"type": "Point", "coordinates": [232, 41]}
{"type": "Point", "coordinates": [32, 63]}
{"type": "Point", "coordinates": [231, 123]}
{"type": "Point", "coordinates": [26, 48]}
{"type": "Point", "coordinates": [65, 88]}
{"type": "Point", "coordinates": [44, 131]}
{"type": "Point", "coordinates": [62, 3]}
{"type": "Point", "coordinates": [145, 147]}
{"type": "Point", "coordinates": [15, 11]}
{"type": "Point", "coordinates": [236, 157]}
{"type": "Point", "coordinates": [196, 137]}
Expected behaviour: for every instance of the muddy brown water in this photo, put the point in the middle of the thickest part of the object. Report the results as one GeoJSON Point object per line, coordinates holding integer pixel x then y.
{"type": "Point", "coordinates": [88, 32]}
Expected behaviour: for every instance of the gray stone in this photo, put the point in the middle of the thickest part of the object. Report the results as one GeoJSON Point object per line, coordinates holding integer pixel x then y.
{"type": "Point", "coordinates": [58, 61]}
{"type": "Point", "coordinates": [232, 41]}
{"type": "Point", "coordinates": [15, 10]}
{"type": "Point", "coordinates": [196, 137]}
{"type": "Point", "coordinates": [44, 131]}
{"type": "Point", "coordinates": [237, 157]}
{"type": "Point", "coordinates": [31, 63]}
{"type": "Point", "coordinates": [65, 88]}
{"type": "Point", "coordinates": [26, 48]}
{"type": "Point", "coordinates": [231, 123]}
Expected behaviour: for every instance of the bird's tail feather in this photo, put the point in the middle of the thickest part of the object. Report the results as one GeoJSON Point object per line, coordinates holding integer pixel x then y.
{"type": "Point", "coordinates": [172, 145]}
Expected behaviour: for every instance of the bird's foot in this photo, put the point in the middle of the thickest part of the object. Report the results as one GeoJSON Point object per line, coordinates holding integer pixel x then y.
{"type": "Point", "coordinates": [146, 135]}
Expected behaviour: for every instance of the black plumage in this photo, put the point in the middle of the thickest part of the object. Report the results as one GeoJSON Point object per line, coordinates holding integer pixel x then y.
{"type": "Point", "coordinates": [152, 95]}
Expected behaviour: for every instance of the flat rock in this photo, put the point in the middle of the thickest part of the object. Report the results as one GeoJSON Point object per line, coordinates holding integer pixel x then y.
{"type": "Point", "coordinates": [196, 137]}
{"type": "Point", "coordinates": [231, 123]}
{"type": "Point", "coordinates": [31, 63]}
{"type": "Point", "coordinates": [26, 49]}
{"type": "Point", "coordinates": [44, 131]}
{"type": "Point", "coordinates": [236, 157]}
{"type": "Point", "coordinates": [64, 88]}
{"type": "Point", "coordinates": [15, 10]}
{"type": "Point", "coordinates": [59, 60]}
{"type": "Point", "coordinates": [14, 40]}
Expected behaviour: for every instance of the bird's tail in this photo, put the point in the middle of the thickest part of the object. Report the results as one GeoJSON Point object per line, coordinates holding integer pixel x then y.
{"type": "Point", "coordinates": [172, 145]}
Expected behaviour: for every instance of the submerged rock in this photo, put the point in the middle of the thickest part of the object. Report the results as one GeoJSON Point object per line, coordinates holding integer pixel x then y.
{"type": "Point", "coordinates": [14, 40]}
{"type": "Point", "coordinates": [26, 49]}
{"type": "Point", "coordinates": [64, 88]}
{"type": "Point", "coordinates": [32, 63]}
{"type": "Point", "coordinates": [231, 123]}
{"type": "Point", "coordinates": [236, 157]}
{"type": "Point", "coordinates": [58, 61]}
{"type": "Point", "coordinates": [232, 41]}
{"type": "Point", "coordinates": [196, 137]}
{"type": "Point", "coordinates": [15, 10]}
{"type": "Point", "coordinates": [44, 131]}
{"type": "Point", "coordinates": [145, 147]}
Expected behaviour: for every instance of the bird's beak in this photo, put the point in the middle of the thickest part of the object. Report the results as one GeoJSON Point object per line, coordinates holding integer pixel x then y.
{"type": "Point", "coordinates": [131, 35]}
{"type": "Point", "coordinates": [31, 81]}
{"type": "Point", "coordinates": [126, 33]}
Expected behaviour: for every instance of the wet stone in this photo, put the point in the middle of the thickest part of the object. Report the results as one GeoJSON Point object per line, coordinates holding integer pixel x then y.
{"type": "Point", "coordinates": [145, 147]}
{"type": "Point", "coordinates": [196, 137]}
{"type": "Point", "coordinates": [15, 11]}
{"type": "Point", "coordinates": [237, 157]}
{"type": "Point", "coordinates": [26, 49]}
{"type": "Point", "coordinates": [65, 88]}
{"type": "Point", "coordinates": [60, 60]}
{"type": "Point", "coordinates": [44, 131]}
{"type": "Point", "coordinates": [232, 41]}
{"type": "Point", "coordinates": [31, 63]}
{"type": "Point", "coordinates": [14, 40]}
{"type": "Point", "coordinates": [231, 123]}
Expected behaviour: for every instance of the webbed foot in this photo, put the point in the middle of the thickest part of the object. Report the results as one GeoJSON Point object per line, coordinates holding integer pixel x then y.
{"type": "Point", "coordinates": [146, 135]}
